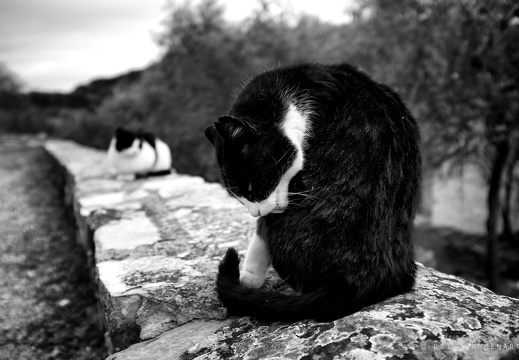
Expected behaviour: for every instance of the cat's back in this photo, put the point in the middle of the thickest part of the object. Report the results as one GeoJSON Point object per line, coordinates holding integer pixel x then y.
{"type": "Point", "coordinates": [358, 188]}
{"type": "Point", "coordinates": [351, 121]}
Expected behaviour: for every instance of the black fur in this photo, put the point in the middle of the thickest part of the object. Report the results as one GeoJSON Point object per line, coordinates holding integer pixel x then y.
{"type": "Point", "coordinates": [153, 174]}
{"type": "Point", "coordinates": [344, 242]}
{"type": "Point", "coordinates": [124, 138]}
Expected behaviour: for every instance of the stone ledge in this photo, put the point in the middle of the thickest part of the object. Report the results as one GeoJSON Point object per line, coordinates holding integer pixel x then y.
{"type": "Point", "coordinates": [154, 245]}
{"type": "Point", "coordinates": [445, 317]}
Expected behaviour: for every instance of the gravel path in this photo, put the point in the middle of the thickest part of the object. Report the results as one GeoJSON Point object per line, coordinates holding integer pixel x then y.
{"type": "Point", "coordinates": [47, 306]}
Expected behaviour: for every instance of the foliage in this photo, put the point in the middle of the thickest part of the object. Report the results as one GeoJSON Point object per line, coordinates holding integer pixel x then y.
{"type": "Point", "coordinates": [455, 63]}
{"type": "Point", "coordinates": [205, 61]}
{"type": "Point", "coordinates": [9, 82]}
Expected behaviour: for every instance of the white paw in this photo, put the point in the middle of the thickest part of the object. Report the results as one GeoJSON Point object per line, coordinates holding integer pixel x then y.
{"type": "Point", "coordinates": [250, 280]}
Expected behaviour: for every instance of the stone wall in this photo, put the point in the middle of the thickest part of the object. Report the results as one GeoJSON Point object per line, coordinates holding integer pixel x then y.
{"type": "Point", "coordinates": [154, 246]}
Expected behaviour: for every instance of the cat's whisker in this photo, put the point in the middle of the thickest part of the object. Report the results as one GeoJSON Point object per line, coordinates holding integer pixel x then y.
{"type": "Point", "coordinates": [232, 191]}
{"type": "Point", "coordinates": [305, 191]}
{"type": "Point", "coordinates": [295, 205]}
{"type": "Point", "coordinates": [281, 158]}
{"type": "Point", "coordinates": [299, 193]}
{"type": "Point", "coordinates": [303, 194]}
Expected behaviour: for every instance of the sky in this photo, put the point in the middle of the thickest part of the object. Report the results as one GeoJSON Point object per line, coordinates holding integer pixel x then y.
{"type": "Point", "coordinates": [56, 45]}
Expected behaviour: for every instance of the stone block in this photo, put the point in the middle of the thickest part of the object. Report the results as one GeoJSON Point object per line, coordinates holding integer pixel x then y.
{"type": "Point", "coordinates": [172, 344]}
{"type": "Point", "coordinates": [157, 293]}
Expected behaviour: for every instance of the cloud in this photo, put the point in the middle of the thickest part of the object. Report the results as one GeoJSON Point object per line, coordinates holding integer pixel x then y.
{"type": "Point", "coordinates": [58, 43]}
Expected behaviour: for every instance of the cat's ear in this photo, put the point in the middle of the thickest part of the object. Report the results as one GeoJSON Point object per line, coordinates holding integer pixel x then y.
{"type": "Point", "coordinates": [119, 131]}
{"type": "Point", "coordinates": [231, 128]}
{"type": "Point", "coordinates": [211, 133]}
{"type": "Point", "coordinates": [122, 134]}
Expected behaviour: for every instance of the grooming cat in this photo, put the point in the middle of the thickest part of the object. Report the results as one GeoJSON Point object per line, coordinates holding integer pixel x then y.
{"type": "Point", "coordinates": [139, 153]}
{"type": "Point", "coordinates": [329, 161]}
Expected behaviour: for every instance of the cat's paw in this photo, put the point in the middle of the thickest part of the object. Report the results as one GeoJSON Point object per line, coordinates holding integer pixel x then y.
{"type": "Point", "coordinates": [250, 280]}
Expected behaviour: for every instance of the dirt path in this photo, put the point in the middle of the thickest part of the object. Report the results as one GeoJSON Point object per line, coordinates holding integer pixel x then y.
{"type": "Point", "coordinates": [47, 308]}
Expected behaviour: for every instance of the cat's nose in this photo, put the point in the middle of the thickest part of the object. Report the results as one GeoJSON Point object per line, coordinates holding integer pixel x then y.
{"type": "Point", "coordinates": [261, 208]}
{"type": "Point", "coordinates": [255, 212]}
{"type": "Point", "coordinates": [264, 212]}
{"type": "Point", "coordinates": [266, 209]}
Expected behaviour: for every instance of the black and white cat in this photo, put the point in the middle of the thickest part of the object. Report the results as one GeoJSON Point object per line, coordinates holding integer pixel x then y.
{"type": "Point", "coordinates": [329, 161]}
{"type": "Point", "coordinates": [139, 153]}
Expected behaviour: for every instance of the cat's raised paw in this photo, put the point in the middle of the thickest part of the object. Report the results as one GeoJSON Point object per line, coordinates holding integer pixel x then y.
{"type": "Point", "coordinates": [250, 280]}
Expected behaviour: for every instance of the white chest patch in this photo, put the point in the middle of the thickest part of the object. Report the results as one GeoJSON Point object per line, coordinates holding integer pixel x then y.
{"type": "Point", "coordinates": [295, 127]}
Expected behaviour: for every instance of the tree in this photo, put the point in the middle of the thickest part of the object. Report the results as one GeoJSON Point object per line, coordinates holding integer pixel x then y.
{"type": "Point", "coordinates": [9, 82]}
{"type": "Point", "coordinates": [10, 97]}
{"type": "Point", "coordinates": [456, 63]}
{"type": "Point", "coordinates": [204, 63]}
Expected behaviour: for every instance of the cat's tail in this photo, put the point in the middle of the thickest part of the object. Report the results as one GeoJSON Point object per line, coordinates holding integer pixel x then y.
{"type": "Point", "coordinates": [322, 305]}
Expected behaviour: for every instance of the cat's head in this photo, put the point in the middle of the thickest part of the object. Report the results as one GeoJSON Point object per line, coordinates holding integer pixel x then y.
{"type": "Point", "coordinates": [256, 162]}
{"type": "Point", "coordinates": [127, 142]}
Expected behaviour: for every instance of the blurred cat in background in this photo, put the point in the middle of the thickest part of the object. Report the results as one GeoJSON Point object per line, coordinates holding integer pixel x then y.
{"type": "Point", "coordinates": [140, 153]}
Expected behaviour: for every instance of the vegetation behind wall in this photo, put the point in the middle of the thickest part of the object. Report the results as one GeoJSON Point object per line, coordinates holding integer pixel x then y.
{"type": "Point", "coordinates": [455, 63]}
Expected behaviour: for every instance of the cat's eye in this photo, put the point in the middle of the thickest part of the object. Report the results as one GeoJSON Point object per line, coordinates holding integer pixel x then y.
{"type": "Point", "coordinates": [249, 189]}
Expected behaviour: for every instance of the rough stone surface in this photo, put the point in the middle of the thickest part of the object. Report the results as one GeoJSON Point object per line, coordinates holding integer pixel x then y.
{"type": "Point", "coordinates": [445, 317]}
{"type": "Point", "coordinates": [155, 243]}
{"type": "Point", "coordinates": [172, 344]}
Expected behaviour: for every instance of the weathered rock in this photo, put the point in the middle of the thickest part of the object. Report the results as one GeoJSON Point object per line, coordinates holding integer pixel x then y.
{"type": "Point", "coordinates": [154, 245]}
{"type": "Point", "coordinates": [162, 292]}
{"type": "Point", "coordinates": [172, 344]}
{"type": "Point", "coordinates": [444, 317]}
